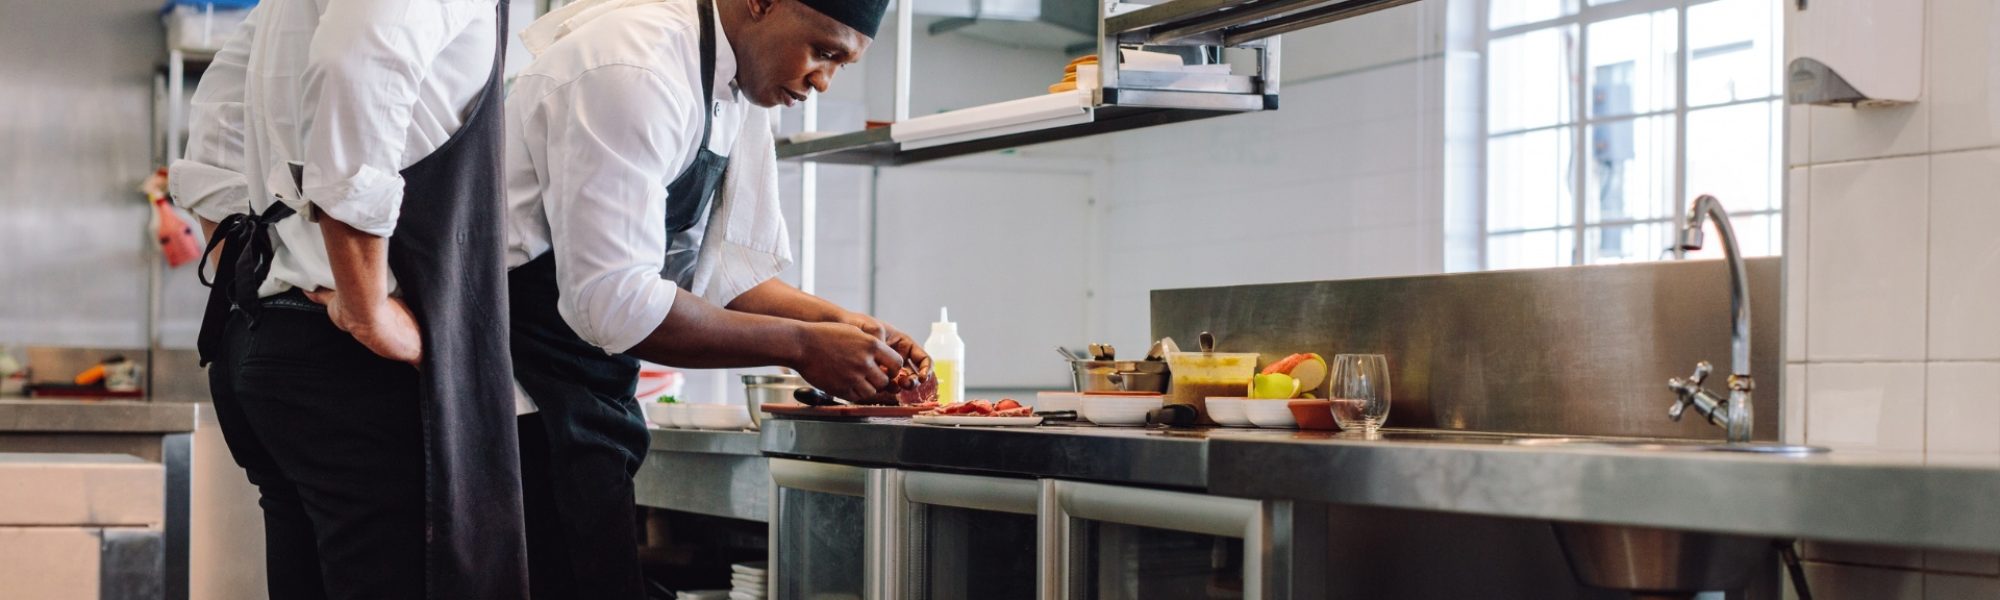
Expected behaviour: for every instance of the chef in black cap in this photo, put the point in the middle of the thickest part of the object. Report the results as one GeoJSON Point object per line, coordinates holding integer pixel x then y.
{"type": "Point", "coordinates": [644, 225]}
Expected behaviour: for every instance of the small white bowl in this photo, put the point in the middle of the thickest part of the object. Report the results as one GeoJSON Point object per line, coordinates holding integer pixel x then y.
{"type": "Point", "coordinates": [656, 413]}
{"type": "Point", "coordinates": [1273, 414]}
{"type": "Point", "coordinates": [1055, 401]}
{"type": "Point", "coordinates": [724, 417]}
{"type": "Point", "coordinates": [677, 416]}
{"type": "Point", "coordinates": [1120, 410]}
{"type": "Point", "coordinates": [1228, 412]}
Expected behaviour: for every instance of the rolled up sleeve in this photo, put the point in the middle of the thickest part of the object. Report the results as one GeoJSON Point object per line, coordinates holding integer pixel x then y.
{"type": "Point", "coordinates": [607, 141]}
{"type": "Point", "coordinates": [209, 181]}
{"type": "Point", "coordinates": [362, 75]}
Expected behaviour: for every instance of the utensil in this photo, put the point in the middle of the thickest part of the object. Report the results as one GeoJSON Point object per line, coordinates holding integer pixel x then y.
{"type": "Point", "coordinates": [1158, 351]}
{"type": "Point", "coordinates": [1067, 354]}
{"type": "Point", "coordinates": [1206, 341]}
{"type": "Point", "coordinates": [1198, 376]}
{"type": "Point", "coordinates": [810, 396]}
{"type": "Point", "coordinates": [759, 390]}
{"type": "Point", "coordinates": [1110, 352]}
{"type": "Point", "coordinates": [1173, 415]}
{"type": "Point", "coordinates": [1119, 375]}
{"type": "Point", "coordinates": [1360, 391]}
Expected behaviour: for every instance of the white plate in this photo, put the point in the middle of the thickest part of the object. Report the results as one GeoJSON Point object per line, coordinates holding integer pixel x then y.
{"type": "Point", "coordinates": [755, 568]}
{"type": "Point", "coordinates": [978, 421]}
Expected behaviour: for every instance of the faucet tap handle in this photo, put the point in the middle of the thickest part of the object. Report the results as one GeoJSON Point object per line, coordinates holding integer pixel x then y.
{"type": "Point", "coordinates": [1701, 371]}
{"type": "Point", "coordinates": [1687, 391]}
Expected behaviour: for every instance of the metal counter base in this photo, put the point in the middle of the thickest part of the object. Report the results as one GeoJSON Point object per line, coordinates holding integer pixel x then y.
{"type": "Point", "coordinates": [715, 473]}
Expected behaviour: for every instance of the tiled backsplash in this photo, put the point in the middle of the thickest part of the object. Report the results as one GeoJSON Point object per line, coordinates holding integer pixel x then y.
{"type": "Point", "coordinates": [1893, 289]}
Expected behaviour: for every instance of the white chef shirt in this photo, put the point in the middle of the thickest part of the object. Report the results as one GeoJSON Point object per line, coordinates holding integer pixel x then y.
{"type": "Point", "coordinates": [598, 124]}
{"type": "Point", "coordinates": [356, 90]}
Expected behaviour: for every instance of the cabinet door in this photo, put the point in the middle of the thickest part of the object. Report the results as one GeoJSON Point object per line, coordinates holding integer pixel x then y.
{"type": "Point", "coordinates": [976, 538]}
{"type": "Point", "coordinates": [818, 531]}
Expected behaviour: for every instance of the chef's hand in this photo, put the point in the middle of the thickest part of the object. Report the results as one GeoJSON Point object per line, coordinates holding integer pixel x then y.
{"type": "Point", "coordinates": [845, 361]}
{"type": "Point", "coordinates": [386, 326]}
{"type": "Point", "coordinates": [902, 343]}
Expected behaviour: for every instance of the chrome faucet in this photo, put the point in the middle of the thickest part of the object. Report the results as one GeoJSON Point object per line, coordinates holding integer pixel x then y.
{"type": "Point", "coordinates": [1732, 414]}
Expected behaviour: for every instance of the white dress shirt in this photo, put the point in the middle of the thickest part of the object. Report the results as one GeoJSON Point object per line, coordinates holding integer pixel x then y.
{"type": "Point", "coordinates": [608, 113]}
{"type": "Point", "coordinates": [355, 90]}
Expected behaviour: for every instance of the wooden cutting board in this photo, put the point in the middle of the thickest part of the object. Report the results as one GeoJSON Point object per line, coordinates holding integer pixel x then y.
{"type": "Point", "coordinates": [837, 412]}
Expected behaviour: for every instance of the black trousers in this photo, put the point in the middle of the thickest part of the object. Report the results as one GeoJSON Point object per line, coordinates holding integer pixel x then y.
{"type": "Point", "coordinates": [582, 517]}
{"type": "Point", "coordinates": [331, 436]}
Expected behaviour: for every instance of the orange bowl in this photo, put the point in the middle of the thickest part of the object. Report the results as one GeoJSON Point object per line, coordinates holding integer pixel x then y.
{"type": "Point", "coordinates": [1313, 414]}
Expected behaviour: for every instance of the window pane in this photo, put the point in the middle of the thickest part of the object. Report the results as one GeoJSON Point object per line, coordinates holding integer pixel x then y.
{"type": "Point", "coordinates": [1631, 170]}
{"type": "Point", "coordinates": [1627, 243]}
{"type": "Point", "coordinates": [1632, 63]}
{"type": "Point", "coordinates": [1733, 48]}
{"type": "Point", "coordinates": [1508, 13]}
{"type": "Point", "coordinates": [1532, 250]}
{"type": "Point", "coordinates": [1528, 180]}
{"type": "Point", "coordinates": [1528, 79]}
{"type": "Point", "coordinates": [1760, 235]}
{"type": "Point", "coordinates": [1733, 153]}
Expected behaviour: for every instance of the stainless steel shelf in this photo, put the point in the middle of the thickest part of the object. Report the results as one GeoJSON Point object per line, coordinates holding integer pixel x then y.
{"type": "Point", "coordinates": [1232, 22]}
{"type": "Point", "coordinates": [1133, 108]}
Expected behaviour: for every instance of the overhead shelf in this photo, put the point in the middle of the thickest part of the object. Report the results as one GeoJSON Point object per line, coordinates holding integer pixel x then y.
{"type": "Point", "coordinates": [1123, 96]}
{"type": "Point", "coordinates": [1232, 22]}
{"type": "Point", "coordinates": [1149, 98]}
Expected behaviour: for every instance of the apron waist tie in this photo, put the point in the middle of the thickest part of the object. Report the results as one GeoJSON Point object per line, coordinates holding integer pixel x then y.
{"type": "Point", "coordinates": [246, 253]}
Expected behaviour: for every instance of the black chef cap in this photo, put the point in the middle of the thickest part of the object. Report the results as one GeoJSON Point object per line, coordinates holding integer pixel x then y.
{"type": "Point", "coordinates": [864, 16]}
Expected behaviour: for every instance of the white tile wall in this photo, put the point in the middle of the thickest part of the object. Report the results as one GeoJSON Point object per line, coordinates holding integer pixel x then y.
{"type": "Point", "coordinates": [1866, 406]}
{"type": "Point", "coordinates": [1865, 278]}
{"type": "Point", "coordinates": [1964, 55]}
{"type": "Point", "coordinates": [1960, 587]}
{"type": "Point", "coordinates": [1848, 582]}
{"type": "Point", "coordinates": [1963, 562]}
{"type": "Point", "coordinates": [1965, 246]}
{"type": "Point", "coordinates": [1963, 410]}
{"type": "Point", "coordinates": [1895, 274]}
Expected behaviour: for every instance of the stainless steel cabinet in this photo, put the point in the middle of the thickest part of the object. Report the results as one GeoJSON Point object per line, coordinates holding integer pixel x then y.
{"type": "Point", "coordinates": [885, 534]}
{"type": "Point", "coordinates": [819, 531]}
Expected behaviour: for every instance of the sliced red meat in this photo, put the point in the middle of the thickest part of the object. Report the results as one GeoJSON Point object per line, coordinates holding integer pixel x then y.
{"type": "Point", "coordinates": [1006, 403]}
{"type": "Point", "coordinates": [1018, 411]}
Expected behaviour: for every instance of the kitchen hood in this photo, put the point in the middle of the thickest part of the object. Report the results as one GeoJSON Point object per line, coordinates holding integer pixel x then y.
{"type": "Point", "coordinates": [1068, 25]}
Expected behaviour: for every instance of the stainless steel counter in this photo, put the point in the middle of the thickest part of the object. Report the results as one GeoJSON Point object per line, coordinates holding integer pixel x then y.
{"type": "Point", "coordinates": [1886, 500]}
{"type": "Point", "coordinates": [717, 473]}
{"type": "Point", "coordinates": [1842, 496]}
{"type": "Point", "coordinates": [1104, 454]}
{"type": "Point", "coordinates": [88, 416]}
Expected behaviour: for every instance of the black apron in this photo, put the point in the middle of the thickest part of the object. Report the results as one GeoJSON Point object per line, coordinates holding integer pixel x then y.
{"type": "Point", "coordinates": [448, 256]}
{"type": "Point", "coordinates": [595, 430]}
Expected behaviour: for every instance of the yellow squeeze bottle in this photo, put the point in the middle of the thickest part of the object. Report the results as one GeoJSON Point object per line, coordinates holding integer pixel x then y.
{"type": "Point", "coordinates": [947, 359]}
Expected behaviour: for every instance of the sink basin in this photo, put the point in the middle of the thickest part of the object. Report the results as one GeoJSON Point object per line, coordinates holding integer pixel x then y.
{"type": "Point", "coordinates": [1672, 445]}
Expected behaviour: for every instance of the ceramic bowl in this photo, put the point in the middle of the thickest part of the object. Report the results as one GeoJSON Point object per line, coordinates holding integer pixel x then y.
{"type": "Point", "coordinates": [677, 415]}
{"type": "Point", "coordinates": [1055, 401]}
{"type": "Point", "coordinates": [725, 417]}
{"type": "Point", "coordinates": [1228, 412]}
{"type": "Point", "coordinates": [1120, 410]}
{"type": "Point", "coordinates": [1270, 414]}
{"type": "Point", "coordinates": [657, 414]}
{"type": "Point", "coordinates": [1313, 414]}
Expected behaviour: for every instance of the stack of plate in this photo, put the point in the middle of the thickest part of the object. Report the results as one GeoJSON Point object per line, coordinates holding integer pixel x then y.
{"type": "Point", "coordinates": [748, 580]}
{"type": "Point", "coordinates": [702, 595]}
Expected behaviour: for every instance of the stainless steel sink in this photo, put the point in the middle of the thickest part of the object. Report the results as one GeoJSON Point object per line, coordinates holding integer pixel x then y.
{"type": "Point", "coordinates": [1672, 445]}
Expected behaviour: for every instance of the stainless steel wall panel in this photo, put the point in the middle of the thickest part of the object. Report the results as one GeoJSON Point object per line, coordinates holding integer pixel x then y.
{"type": "Point", "coordinates": [1573, 351]}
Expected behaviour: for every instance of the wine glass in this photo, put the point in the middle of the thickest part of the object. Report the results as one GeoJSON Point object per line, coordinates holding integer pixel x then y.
{"type": "Point", "coordinates": [1360, 391]}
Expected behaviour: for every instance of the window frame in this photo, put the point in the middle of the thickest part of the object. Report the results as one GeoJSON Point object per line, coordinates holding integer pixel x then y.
{"type": "Point", "coordinates": [1580, 121]}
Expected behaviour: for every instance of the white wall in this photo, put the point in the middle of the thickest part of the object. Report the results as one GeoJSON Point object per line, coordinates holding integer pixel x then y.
{"type": "Point", "coordinates": [1344, 180]}
{"type": "Point", "coordinates": [1893, 289]}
